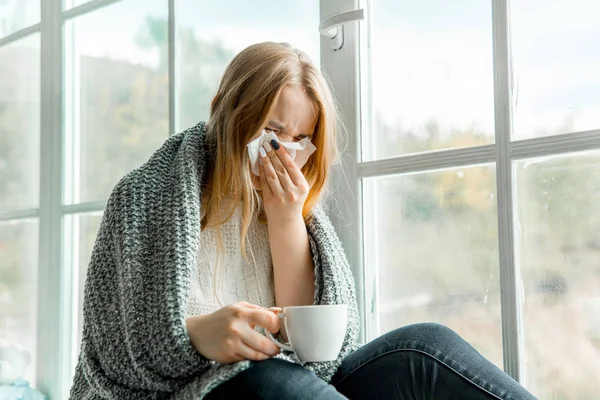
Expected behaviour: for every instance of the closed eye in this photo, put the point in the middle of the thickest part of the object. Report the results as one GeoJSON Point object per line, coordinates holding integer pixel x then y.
{"type": "Point", "coordinates": [278, 133]}
{"type": "Point", "coordinates": [299, 138]}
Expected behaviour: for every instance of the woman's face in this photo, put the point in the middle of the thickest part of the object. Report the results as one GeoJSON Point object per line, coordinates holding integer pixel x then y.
{"type": "Point", "coordinates": [293, 119]}
{"type": "Point", "coordinates": [294, 116]}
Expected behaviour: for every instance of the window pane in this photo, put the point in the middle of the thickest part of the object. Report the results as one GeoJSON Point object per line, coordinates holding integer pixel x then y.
{"type": "Point", "coordinates": [210, 33]}
{"type": "Point", "coordinates": [18, 14]}
{"type": "Point", "coordinates": [20, 124]}
{"type": "Point", "coordinates": [555, 66]}
{"type": "Point", "coordinates": [431, 77]}
{"type": "Point", "coordinates": [558, 253]}
{"type": "Point", "coordinates": [19, 287]}
{"type": "Point", "coordinates": [433, 238]}
{"type": "Point", "coordinates": [80, 236]}
{"type": "Point", "coordinates": [117, 95]}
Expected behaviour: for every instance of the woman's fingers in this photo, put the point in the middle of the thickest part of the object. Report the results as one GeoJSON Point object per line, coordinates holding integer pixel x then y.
{"type": "Point", "coordinates": [288, 163]}
{"type": "Point", "coordinates": [263, 317]}
{"type": "Point", "coordinates": [253, 345]}
{"type": "Point", "coordinates": [265, 187]}
{"type": "Point", "coordinates": [259, 342]}
{"type": "Point", "coordinates": [281, 172]}
{"type": "Point", "coordinates": [271, 177]}
{"type": "Point", "coordinates": [248, 353]}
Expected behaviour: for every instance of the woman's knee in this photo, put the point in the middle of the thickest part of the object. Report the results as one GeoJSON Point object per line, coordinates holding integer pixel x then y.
{"type": "Point", "coordinates": [427, 332]}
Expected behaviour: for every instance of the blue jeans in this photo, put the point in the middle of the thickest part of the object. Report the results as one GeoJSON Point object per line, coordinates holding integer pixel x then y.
{"type": "Point", "coordinates": [420, 361]}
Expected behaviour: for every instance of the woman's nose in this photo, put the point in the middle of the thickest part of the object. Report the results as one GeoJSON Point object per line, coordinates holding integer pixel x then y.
{"type": "Point", "coordinates": [286, 138]}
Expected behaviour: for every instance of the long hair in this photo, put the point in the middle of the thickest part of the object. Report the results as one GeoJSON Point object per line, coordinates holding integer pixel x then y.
{"type": "Point", "coordinates": [249, 89]}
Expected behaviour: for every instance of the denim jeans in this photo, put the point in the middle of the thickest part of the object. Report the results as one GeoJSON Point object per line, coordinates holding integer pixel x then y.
{"type": "Point", "coordinates": [420, 361]}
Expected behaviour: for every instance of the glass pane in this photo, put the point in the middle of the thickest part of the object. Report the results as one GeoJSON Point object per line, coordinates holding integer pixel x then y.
{"type": "Point", "coordinates": [18, 14]}
{"type": "Point", "coordinates": [558, 252]}
{"type": "Point", "coordinates": [80, 236]}
{"type": "Point", "coordinates": [431, 80]}
{"type": "Point", "coordinates": [19, 287]}
{"type": "Point", "coordinates": [20, 124]}
{"type": "Point", "coordinates": [433, 239]}
{"type": "Point", "coordinates": [555, 66]}
{"type": "Point", "coordinates": [116, 94]}
{"type": "Point", "coordinates": [210, 33]}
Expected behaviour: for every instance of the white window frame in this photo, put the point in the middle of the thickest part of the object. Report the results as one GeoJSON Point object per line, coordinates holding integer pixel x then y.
{"type": "Point", "coordinates": [57, 283]}
{"type": "Point", "coordinates": [344, 69]}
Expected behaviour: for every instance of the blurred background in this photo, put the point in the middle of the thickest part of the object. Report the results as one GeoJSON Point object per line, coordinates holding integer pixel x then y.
{"type": "Point", "coordinates": [89, 90]}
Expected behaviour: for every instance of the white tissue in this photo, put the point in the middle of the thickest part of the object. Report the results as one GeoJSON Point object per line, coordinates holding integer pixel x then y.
{"type": "Point", "coordinates": [299, 151]}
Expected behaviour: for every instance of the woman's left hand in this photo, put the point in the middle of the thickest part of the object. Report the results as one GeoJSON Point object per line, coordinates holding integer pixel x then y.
{"type": "Point", "coordinates": [284, 187]}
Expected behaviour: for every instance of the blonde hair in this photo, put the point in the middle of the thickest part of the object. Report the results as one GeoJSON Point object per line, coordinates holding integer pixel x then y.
{"type": "Point", "coordinates": [248, 91]}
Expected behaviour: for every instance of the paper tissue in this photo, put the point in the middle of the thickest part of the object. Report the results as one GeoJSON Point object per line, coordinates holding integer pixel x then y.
{"type": "Point", "coordinates": [299, 151]}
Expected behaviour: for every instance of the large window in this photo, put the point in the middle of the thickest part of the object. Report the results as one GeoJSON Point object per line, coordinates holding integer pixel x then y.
{"type": "Point", "coordinates": [19, 183]}
{"type": "Point", "coordinates": [469, 193]}
{"type": "Point", "coordinates": [118, 77]}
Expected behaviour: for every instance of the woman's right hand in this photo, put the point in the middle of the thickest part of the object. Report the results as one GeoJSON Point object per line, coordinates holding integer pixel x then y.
{"type": "Point", "coordinates": [228, 335]}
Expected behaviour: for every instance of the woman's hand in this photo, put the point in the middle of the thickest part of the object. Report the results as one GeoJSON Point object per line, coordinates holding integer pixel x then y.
{"type": "Point", "coordinates": [283, 185]}
{"type": "Point", "coordinates": [228, 334]}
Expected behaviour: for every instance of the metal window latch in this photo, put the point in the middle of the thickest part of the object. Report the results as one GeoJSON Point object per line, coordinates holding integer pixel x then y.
{"type": "Point", "coordinates": [333, 27]}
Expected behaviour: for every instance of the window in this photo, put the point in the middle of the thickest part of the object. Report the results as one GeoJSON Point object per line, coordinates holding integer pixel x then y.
{"type": "Point", "coordinates": [19, 286]}
{"type": "Point", "coordinates": [119, 77]}
{"type": "Point", "coordinates": [18, 15]}
{"type": "Point", "coordinates": [117, 107]}
{"type": "Point", "coordinates": [433, 237]}
{"type": "Point", "coordinates": [555, 78]}
{"type": "Point", "coordinates": [209, 34]}
{"type": "Point", "coordinates": [558, 207]}
{"type": "Point", "coordinates": [431, 81]}
{"type": "Point", "coordinates": [19, 193]}
{"type": "Point", "coordinates": [20, 124]}
{"type": "Point", "coordinates": [469, 192]}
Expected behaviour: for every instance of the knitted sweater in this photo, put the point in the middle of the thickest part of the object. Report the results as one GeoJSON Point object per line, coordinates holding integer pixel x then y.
{"type": "Point", "coordinates": [135, 344]}
{"type": "Point", "coordinates": [236, 279]}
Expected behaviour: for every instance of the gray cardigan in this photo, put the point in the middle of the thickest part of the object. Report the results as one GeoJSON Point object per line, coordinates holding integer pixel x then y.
{"type": "Point", "coordinates": [135, 345]}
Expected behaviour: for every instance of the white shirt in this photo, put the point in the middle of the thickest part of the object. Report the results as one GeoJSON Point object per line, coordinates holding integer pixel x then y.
{"type": "Point", "coordinates": [237, 280]}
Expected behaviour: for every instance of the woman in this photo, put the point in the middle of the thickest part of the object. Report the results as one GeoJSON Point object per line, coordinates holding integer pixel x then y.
{"type": "Point", "coordinates": [173, 301]}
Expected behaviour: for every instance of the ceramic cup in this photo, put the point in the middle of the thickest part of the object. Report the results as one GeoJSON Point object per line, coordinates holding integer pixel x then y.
{"type": "Point", "coordinates": [315, 333]}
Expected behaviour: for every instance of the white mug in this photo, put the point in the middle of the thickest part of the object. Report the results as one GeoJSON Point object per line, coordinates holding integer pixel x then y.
{"type": "Point", "coordinates": [316, 333]}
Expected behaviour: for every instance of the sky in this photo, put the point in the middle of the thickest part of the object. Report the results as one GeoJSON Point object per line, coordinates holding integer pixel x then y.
{"type": "Point", "coordinates": [436, 57]}
{"type": "Point", "coordinates": [430, 60]}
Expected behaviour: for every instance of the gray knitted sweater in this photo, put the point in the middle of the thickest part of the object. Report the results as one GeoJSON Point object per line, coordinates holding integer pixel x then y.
{"type": "Point", "coordinates": [135, 344]}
